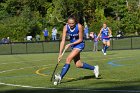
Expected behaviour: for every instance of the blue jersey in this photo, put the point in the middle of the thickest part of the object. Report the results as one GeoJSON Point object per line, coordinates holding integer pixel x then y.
{"type": "Point", "coordinates": [73, 33]}
{"type": "Point", "coordinates": [45, 32]}
{"type": "Point", "coordinates": [74, 36]}
{"type": "Point", "coordinates": [105, 33]}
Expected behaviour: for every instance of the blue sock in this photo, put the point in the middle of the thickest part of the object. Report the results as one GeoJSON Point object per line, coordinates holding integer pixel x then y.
{"type": "Point", "coordinates": [64, 70]}
{"type": "Point", "coordinates": [87, 66]}
{"type": "Point", "coordinates": [106, 47]}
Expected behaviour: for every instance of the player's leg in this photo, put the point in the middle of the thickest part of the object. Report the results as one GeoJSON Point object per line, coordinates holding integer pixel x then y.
{"type": "Point", "coordinates": [104, 45]}
{"type": "Point", "coordinates": [84, 65]}
{"type": "Point", "coordinates": [52, 37]}
{"type": "Point", "coordinates": [44, 38]}
{"type": "Point", "coordinates": [107, 45]}
{"type": "Point", "coordinates": [68, 61]}
{"type": "Point", "coordinates": [55, 37]}
{"type": "Point", "coordinates": [96, 46]}
{"type": "Point", "coordinates": [66, 67]}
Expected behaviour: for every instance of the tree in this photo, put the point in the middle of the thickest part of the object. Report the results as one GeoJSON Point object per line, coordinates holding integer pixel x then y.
{"type": "Point", "coordinates": [19, 18]}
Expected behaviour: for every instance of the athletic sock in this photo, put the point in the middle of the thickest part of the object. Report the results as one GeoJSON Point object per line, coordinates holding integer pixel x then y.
{"type": "Point", "coordinates": [106, 47]}
{"type": "Point", "coordinates": [87, 66]}
{"type": "Point", "coordinates": [64, 70]}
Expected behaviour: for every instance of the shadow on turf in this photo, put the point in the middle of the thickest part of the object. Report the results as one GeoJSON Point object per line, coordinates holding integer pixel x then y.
{"type": "Point", "coordinates": [111, 53]}
{"type": "Point", "coordinates": [129, 87]}
{"type": "Point", "coordinates": [82, 78]}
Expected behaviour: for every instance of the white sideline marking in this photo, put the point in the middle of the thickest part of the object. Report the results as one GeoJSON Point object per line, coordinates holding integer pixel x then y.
{"type": "Point", "coordinates": [47, 60]}
{"type": "Point", "coordinates": [32, 87]}
{"type": "Point", "coordinates": [22, 61]}
{"type": "Point", "coordinates": [23, 86]}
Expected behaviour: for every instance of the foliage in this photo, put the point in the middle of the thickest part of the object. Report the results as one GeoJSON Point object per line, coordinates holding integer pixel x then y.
{"type": "Point", "coordinates": [19, 18]}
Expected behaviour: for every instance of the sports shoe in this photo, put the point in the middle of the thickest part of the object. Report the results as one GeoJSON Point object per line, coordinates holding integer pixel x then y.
{"type": "Point", "coordinates": [103, 52]}
{"type": "Point", "coordinates": [57, 78]}
{"type": "Point", "coordinates": [96, 71]}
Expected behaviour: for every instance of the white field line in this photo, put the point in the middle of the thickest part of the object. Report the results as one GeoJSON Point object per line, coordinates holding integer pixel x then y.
{"type": "Point", "coordinates": [22, 61]}
{"type": "Point", "coordinates": [25, 61]}
{"type": "Point", "coordinates": [23, 86]}
{"type": "Point", "coordinates": [63, 59]}
{"type": "Point", "coordinates": [45, 65]}
{"type": "Point", "coordinates": [81, 57]}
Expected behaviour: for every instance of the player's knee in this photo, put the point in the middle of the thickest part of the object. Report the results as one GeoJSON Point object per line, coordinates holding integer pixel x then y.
{"type": "Point", "coordinates": [108, 45]}
{"type": "Point", "coordinates": [68, 60]}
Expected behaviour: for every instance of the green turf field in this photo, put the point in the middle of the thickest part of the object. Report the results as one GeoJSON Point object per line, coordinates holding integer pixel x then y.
{"type": "Point", "coordinates": [31, 73]}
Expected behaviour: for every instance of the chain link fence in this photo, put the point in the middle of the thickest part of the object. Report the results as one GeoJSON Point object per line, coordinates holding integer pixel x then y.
{"type": "Point", "coordinates": [53, 46]}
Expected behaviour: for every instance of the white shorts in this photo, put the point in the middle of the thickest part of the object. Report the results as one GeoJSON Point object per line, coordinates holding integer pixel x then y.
{"type": "Point", "coordinates": [105, 39]}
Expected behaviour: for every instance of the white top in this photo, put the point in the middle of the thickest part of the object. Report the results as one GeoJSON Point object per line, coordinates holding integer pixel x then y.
{"type": "Point", "coordinates": [54, 31]}
{"type": "Point", "coordinates": [29, 38]}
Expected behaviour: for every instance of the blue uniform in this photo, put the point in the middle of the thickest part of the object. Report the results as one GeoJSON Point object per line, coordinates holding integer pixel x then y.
{"type": "Point", "coordinates": [74, 36]}
{"type": "Point", "coordinates": [105, 34]}
{"type": "Point", "coordinates": [45, 32]}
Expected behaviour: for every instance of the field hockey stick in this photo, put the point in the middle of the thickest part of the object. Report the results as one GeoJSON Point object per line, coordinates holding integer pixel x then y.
{"type": "Point", "coordinates": [57, 65]}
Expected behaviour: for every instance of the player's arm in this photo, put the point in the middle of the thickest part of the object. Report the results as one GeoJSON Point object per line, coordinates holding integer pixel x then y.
{"type": "Point", "coordinates": [110, 32]}
{"type": "Point", "coordinates": [62, 43]}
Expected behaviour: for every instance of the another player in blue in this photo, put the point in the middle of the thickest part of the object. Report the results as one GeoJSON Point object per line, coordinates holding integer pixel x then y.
{"type": "Point", "coordinates": [105, 34]}
{"type": "Point", "coordinates": [75, 31]}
